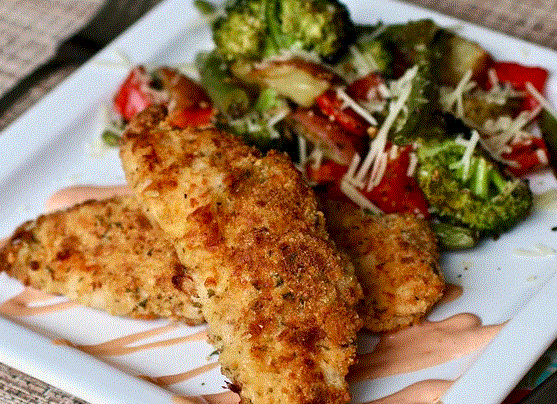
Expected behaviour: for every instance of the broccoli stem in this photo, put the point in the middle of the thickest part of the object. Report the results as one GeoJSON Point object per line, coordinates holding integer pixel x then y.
{"type": "Point", "coordinates": [481, 179]}
{"type": "Point", "coordinates": [279, 39]}
{"type": "Point", "coordinates": [453, 237]}
{"type": "Point", "coordinates": [548, 126]}
{"type": "Point", "coordinates": [229, 98]}
{"type": "Point", "coordinates": [266, 100]}
{"type": "Point", "coordinates": [204, 7]}
{"type": "Point", "coordinates": [497, 180]}
{"type": "Point", "coordinates": [481, 175]}
{"type": "Point", "coordinates": [111, 138]}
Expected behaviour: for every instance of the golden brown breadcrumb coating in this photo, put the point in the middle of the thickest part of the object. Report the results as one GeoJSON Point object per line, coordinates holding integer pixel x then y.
{"type": "Point", "coordinates": [396, 257]}
{"type": "Point", "coordinates": [278, 297]}
{"type": "Point", "coordinates": [106, 255]}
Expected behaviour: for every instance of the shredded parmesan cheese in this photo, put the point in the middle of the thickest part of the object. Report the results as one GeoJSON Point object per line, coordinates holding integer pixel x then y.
{"type": "Point", "coordinates": [376, 159]}
{"type": "Point", "coordinates": [412, 165]}
{"type": "Point", "coordinates": [506, 130]}
{"type": "Point", "coordinates": [349, 102]}
{"type": "Point", "coordinates": [466, 157]}
{"type": "Point", "coordinates": [353, 166]}
{"type": "Point", "coordinates": [273, 120]}
{"type": "Point", "coordinates": [542, 156]}
{"type": "Point", "coordinates": [541, 99]}
{"type": "Point", "coordinates": [352, 192]}
{"type": "Point", "coordinates": [449, 99]}
{"type": "Point", "coordinates": [492, 77]}
{"type": "Point", "coordinates": [316, 158]}
{"type": "Point", "coordinates": [360, 63]}
{"type": "Point", "coordinates": [302, 149]}
{"type": "Point", "coordinates": [384, 90]}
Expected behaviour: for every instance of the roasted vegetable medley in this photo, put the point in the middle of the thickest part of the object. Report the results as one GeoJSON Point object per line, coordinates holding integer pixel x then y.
{"type": "Point", "coordinates": [408, 117]}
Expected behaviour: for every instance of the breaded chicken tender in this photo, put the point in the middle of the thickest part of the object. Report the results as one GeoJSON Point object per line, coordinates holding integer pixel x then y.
{"type": "Point", "coordinates": [106, 255]}
{"type": "Point", "coordinates": [278, 298]}
{"type": "Point", "coordinates": [397, 263]}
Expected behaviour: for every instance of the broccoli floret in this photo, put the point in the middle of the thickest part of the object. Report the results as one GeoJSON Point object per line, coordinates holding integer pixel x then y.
{"type": "Point", "coordinates": [453, 237]}
{"type": "Point", "coordinates": [412, 47]}
{"type": "Point", "coordinates": [260, 126]}
{"type": "Point", "coordinates": [414, 42]}
{"type": "Point", "coordinates": [228, 94]}
{"type": "Point", "coordinates": [367, 55]}
{"type": "Point", "coordinates": [255, 29]}
{"type": "Point", "coordinates": [470, 190]}
{"type": "Point", "coordinates": [378, 57]}
{"type": "Point", "coordinates": [241, 32]}
{"type": "Point", "coordinates": [419, 105]}
{"type": "Point", "coordinates": [548, 126]}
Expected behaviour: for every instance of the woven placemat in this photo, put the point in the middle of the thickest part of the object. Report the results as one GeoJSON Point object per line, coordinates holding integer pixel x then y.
{"type": "Point", "coordinates": [44, 41]}
{"type": "Point", "coordinates": [31, 31]}
{"type": "Point", "coordinates": [19, 388]}
{"type": "Point", "coordinates": [532, 20]}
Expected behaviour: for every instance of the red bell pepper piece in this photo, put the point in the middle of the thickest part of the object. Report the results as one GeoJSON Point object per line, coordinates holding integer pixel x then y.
{"type": "Point", "coordinates": [131, 97]}
{"type": "Point", "coordinates": [531, 155]}
{"type": "Point", "coordinates": [366, 88]}
{"type": "Point", "coordinates": [518, 75]}
{"type": "Point", "coordinates": [332, 106]}
{"type": "Point", "coordinates": [328, 172]}
{"type": "Point", "coordinates": [336, 142]}
{"type": "Point", "coordinates": [397, 192]}
{"type": "Point", "coordinates": [196, 116]}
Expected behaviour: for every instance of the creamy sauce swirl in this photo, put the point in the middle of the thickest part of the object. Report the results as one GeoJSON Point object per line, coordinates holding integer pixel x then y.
{"type": "Point", "coordinates": [226, 397]}
{"type": "Point", "coordinates": [123, 345]}
{"type": "Point", "coordinates": [70, 196]}
{"type": "Point", "coordinates": [182, 376]}
{"type": "Point", "coordinates": [29, 303]}
{"type": "Point", "coordinates": [424, 345]}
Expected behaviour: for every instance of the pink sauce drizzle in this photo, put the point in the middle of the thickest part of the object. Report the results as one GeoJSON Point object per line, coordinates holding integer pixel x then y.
{"type": "Point", "coordinates": [182, 376]}
{"type": "Point", "coordinates": [122, 346]}
{"type": "Point", "coordinates": [451, 293]}
{"type": "Point", "coordinates": [69, 196]}
{"type": "Point", "coordinates": [22, 304]}
{"type": "Point", "coordinates": [415, 348]}
{"type": "Point", "coordinates": [226, 397]}
{"type": "Point", "coordinates": [424, 345]}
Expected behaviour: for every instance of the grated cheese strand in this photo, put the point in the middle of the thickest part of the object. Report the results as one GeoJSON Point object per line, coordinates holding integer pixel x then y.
{"type": "Point", "coordinates": [352, 192]}
{"type": "Point", "coordinates": [497, 157]}
{"type": "Point", "coordinates": [353, 165]}
{"type": "Point", "coordinates": [451, 98]}
{"type": "Point", "coordinates": [316, 158]}
{"type": "Point", "coordinates": [542, 156]}
{"type": "Point", "coordinates": [302, 149]}
{"type": "Point", "coordinates": [377, 146]}
{"type": "Point", "coordinates": [412, 165]}
{"type": "Point", "coordinates": [359, 62]}
{"type": "Point", "coordinates": [541, 99]}
{"type": "Point", "coordinates": [505, 131]}
{"type": "Point", "coordinates": [492, 76]}
{"type": "Point", "coordinates": [355, 106]}
{"type": "Point", "coordinates": [378, 171]}
{"type": "Point", "coordinates": [279, 116]}
{"type": "Point", "coordinates": [466, 157]}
